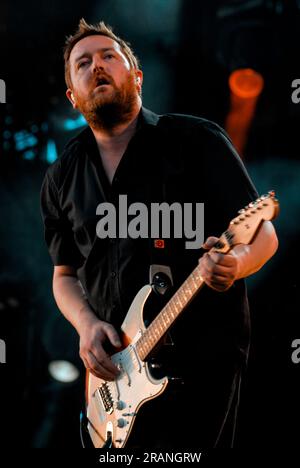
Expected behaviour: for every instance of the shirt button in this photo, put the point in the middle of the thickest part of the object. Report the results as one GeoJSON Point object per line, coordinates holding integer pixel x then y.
{"type": "Point", "coordinates": [113, 274]}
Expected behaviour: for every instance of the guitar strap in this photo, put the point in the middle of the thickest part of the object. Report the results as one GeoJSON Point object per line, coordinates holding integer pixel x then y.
{"type": "Point", "coordinates": [160, 274]}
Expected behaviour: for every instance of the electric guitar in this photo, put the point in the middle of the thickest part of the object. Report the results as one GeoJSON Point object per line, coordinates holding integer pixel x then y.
{"type": "Point", "coordinates": [111, 407]}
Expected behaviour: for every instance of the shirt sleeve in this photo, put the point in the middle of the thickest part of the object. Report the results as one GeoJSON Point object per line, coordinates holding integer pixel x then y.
{"type": "Point", "coordinates": [57, 228]}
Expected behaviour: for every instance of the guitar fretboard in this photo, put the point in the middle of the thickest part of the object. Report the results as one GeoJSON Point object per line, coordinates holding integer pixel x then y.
{"type": "Point", "coordinates": [169, 314]}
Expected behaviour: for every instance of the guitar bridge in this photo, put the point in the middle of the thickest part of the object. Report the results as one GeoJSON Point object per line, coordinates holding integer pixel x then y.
{"type": "Point", "coordinates": [105, 397]}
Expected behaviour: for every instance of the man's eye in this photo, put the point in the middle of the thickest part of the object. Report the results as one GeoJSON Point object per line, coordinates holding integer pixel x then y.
{"type": "Point", "coordinates": [82, 64]}
{"type": "Point", "coordinates": [109, 56]}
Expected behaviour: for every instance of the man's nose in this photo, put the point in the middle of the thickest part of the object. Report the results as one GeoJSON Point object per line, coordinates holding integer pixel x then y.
{"type": "Point", "coordinates": [98, 64]}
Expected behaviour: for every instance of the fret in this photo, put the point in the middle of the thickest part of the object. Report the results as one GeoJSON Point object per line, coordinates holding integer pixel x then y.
{"type": "Point", "coordinates": [172, 308]}
{"type": "Point", "coordinates": [153, 332]}
{"type": "Point", "coordinates": [192, 283]}
{"type": "Point", "coordinates": [158, 337]}
{"type": "Point", "coordinates": [142, 349]}
{"type": "Point", "coordinates": [177, 301]}
{"type": "Point", "coordinates": [159, 324]}
{"type": "Point", "coordinates": [165, 318]}
{"type": "Point", "coordinates": [182, 297]}
{"type": "Point", "coordinates": [141, 352]}
{"type": "Point", "coordinates": [153, 337]}
{"type": "Point", "coordinates": [149, 336]}
{"type": "Point", "coordinates": [198, 276]}
{"type": "Point", "coordinates": [139, 344]}
{"type": "Point", "coordinates": [187, 292]}
{"type": "Point", "coordinates": [193, 276]}
{"type": "Point", "coordinates": [146, 344]}
{"type": "Point", "coordinates": [192, 286]}
{"type": "Point", "coordinates": [168, 311]}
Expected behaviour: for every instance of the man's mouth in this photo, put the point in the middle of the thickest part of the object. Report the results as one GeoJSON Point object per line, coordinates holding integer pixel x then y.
{"type": "Point", "coordinates": [102, 82]}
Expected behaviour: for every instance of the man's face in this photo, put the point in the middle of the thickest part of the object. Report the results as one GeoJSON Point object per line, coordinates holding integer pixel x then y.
{"type": "Point", "coordinates": [102, 78]}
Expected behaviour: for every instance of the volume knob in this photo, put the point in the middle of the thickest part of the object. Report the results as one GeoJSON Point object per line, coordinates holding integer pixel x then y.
{"type": "Point", "coordinates": [121, 422]}
{"type": "Point", "coordinates": [120, 405]}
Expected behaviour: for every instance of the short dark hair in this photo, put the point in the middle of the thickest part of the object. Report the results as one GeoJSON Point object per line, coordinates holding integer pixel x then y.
{"type": "Point", "coordinates": [84, 29]}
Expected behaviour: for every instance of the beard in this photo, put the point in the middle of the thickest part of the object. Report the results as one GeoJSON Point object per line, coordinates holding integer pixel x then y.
{"type": "Point", "coordinates": [105, 110]}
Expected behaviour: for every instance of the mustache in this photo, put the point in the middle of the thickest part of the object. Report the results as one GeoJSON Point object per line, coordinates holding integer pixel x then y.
{"type": "Point", "coordinates": [102, 78]}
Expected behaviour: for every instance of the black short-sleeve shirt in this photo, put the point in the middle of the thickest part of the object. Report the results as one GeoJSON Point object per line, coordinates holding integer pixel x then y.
{"type": "Point", "coordinates": [171, 158]}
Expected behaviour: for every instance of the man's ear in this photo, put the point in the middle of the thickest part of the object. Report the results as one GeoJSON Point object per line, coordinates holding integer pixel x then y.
{"type": "Point", "coordinates": [71, 98]}
{"type": "Point", "coordinates": [139, 78]}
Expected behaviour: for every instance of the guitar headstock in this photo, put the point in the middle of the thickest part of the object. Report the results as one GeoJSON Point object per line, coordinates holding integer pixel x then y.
{"type": "Point", "coordinates": [244, 227]}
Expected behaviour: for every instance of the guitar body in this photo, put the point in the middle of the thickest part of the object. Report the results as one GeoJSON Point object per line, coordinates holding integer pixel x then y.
{"type": "Point", "coordinates": [112, 406]}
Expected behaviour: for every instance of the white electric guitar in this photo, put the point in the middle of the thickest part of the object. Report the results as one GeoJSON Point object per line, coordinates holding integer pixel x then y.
{"type": "Point", "coordinates": [113, 406]}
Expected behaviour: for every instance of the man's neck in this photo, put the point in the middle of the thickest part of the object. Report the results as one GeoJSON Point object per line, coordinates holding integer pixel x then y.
{"type": "Point", "coordinates": [115, 140]}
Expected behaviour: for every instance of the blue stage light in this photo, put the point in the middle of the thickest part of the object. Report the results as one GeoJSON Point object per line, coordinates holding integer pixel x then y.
{"type": "Point", "coordinates": [51, 151]}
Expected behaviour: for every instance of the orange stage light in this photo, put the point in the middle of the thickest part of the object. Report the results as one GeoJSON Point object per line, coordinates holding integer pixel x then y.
{"type": "Point", "coordinates": [245, 85]}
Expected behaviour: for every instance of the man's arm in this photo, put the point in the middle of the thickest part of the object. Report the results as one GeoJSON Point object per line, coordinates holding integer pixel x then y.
{"type": "Point", "coordinates": [220, 271]}
{"type": "Point", "coordinates": [70, 298]}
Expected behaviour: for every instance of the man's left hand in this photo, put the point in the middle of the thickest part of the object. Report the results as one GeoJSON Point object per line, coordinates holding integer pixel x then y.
{"type": "Point", "coordinates": [218, 270]}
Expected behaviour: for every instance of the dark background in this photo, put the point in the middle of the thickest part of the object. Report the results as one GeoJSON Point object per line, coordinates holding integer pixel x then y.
{"type": "Point", "coordinates": [188, 49]}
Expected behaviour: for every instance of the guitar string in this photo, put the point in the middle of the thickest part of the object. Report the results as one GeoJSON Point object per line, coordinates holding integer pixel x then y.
{"type": "Point", "coordinates": [186, 286]}
{"type": "Point", "coordinates": [133, 353]}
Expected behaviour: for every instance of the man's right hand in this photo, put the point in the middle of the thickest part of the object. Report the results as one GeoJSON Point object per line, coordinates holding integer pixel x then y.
{"type": "Point", "coordinates": [93, 334]}
{"type": "Point", "coordinates": [71, 300]}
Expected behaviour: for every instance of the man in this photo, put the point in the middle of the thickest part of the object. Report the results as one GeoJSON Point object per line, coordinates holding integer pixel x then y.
{"type": "Point", "coordinates": [127, 149]}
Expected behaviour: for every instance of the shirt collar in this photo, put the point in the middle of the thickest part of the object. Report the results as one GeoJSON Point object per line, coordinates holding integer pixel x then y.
{"type": "Point", "coordinates": [146, 118]}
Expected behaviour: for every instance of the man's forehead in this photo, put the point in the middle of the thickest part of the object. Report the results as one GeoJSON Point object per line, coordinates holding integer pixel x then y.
{"type": "Point", "coordinates": [93, 43]}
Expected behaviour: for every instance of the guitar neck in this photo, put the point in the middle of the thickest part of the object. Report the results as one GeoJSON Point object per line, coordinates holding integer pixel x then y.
{"type": "Point", "coordinates": [165, 319]}
{"type": "Point", "coordinates": [241, 230]}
